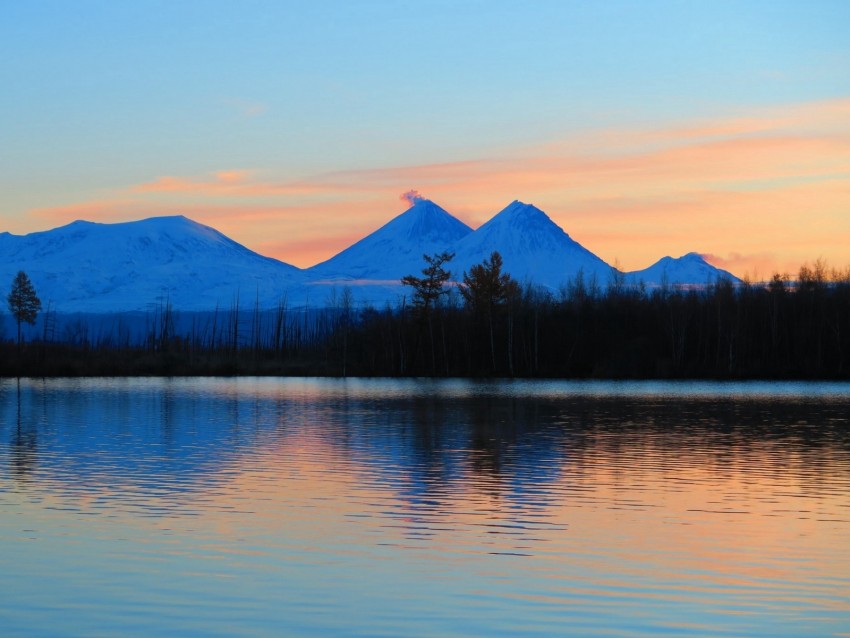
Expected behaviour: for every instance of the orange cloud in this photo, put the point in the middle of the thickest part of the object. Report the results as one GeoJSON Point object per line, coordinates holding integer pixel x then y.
{"type": "Point", "coordinates": [302, 235]}
{"type": "Point", "coordinates": [796, 222]}
{"type": "Point", "coordinates": [769, 187]}
{"type": "Point", "coordinates": [308, 252]}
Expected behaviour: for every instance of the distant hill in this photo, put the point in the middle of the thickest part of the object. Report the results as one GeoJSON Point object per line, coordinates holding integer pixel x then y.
{"type": "Point", "coordinates": [689, 269]}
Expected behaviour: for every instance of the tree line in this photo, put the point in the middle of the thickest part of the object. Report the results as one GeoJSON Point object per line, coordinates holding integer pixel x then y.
{"type": "Point", "coordinates": [496, 327]}
{"type": "Point", "coordinates": [490, 325]}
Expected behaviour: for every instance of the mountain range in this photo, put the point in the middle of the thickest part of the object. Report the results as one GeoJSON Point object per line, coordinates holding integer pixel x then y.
{"type": "Point", "coordinates": [135, 266]}
{"type": "Point", "coordinates": [91, 267]}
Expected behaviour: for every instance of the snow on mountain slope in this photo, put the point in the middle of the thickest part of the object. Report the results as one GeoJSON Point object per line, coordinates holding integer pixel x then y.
{"type": "Point", "coordinates": [396, 248]}
{"type": "Point", "coordinates": [690, 269]}
{"type": "Point", "coordinates": [533, 248]}
{"type": "Point", "coordinates": [98, 268]}
{"type": "Point", "coordinates": [94, 267]}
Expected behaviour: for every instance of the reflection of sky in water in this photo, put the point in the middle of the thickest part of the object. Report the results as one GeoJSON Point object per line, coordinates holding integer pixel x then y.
{"type": "Point", "coordinates": [268, 506]}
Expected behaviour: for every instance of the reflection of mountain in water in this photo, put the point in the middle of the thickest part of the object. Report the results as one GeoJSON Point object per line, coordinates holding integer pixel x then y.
{"type": "Point", "coordinates": [175, 438]}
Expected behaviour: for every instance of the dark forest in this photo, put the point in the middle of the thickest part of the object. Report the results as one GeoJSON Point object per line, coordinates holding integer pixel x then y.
{"type": "Point", "coordinates": [490, 326]}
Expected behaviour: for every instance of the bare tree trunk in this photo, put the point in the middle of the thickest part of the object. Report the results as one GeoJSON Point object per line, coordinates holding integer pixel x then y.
{"type": "Point", "coordinates": [536, 345]}
{"type": "Point", "coordinates": [445, 350]}
{"type": "Point", "coordinates": [492, 343]}
{"type": "Point", "coordinates": [511, 344]}
{"type": "Point", "coordinates": [431, 340]}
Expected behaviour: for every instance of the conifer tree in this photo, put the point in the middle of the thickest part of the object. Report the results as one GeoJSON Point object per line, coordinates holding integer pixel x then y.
{"type": "Point", "coordinates": [428, 289]}
{"type": "Point", "coordinates": [24, 304]}
{"type": "Point", "coordinates": [486, 289]}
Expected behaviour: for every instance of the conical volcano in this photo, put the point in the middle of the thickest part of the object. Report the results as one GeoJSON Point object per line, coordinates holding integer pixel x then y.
{"type": "Point", "coordinates": [396, 248]}
{"type": "Point", "coordinates": [533, 249]}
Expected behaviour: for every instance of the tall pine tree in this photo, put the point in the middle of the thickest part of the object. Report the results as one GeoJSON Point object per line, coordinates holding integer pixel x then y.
{"type": "Point", "coordinates": [24, 304]}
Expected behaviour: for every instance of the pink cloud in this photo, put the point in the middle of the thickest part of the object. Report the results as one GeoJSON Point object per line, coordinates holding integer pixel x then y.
{"type": "Point", "coordinates": [756, 267]}
{"type": "Point", "coordinates": [226, 183]}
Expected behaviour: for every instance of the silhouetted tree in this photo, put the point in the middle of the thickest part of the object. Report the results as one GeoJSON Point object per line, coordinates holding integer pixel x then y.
{"type": "Point", "coordinates": [24, 304]}
{"type": "Point", "coordinates": [427, 291]}
{"type": "Point", "coordinates": [486, 289]}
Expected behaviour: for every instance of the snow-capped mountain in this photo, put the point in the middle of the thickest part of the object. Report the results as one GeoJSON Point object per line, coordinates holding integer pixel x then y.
{"type": "Point", "coordinates": [93, 267]}
{"type": "Point", "coordinates": [396, 248]}
{"type": "Point", "coordinates": [138, 266]}
{"type": "Point", "coordinates": [687, 269]}
{"type": "Point", "coordinates": [533, 249]}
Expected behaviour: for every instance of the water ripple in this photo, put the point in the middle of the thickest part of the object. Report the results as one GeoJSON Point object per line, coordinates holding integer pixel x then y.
{"type": "Point", "coordinates": [418, 507]}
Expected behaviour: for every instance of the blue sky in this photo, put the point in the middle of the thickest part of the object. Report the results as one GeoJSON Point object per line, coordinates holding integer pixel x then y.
{"type": "Point", "coordinates": [101, 97]}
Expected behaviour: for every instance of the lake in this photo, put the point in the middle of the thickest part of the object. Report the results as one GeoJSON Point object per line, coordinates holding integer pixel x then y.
{"type": "Point", "coordinates": [332, 507]}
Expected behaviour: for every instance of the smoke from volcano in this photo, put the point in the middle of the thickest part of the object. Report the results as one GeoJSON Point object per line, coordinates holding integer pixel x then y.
{"type": "Point", "coordinates": [412, 197]}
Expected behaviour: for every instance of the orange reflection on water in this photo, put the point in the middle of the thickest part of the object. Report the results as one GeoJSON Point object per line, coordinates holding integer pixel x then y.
{"type": "Point", "coordinates": [571, 502]}
{"type": "Point", "coordinates": [755, 520]}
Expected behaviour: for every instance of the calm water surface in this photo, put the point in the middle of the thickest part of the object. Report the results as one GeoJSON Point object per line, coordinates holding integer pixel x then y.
{"type": "Point", "coordinates": [267, 507]}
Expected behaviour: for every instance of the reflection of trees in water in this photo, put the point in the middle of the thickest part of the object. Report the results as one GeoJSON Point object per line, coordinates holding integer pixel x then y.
{"type": "Point", "coordinates": [507, 436]}
{"type": "Point", "coordinates": [23, 445]}
{"type": "Point", "coordinates": [23, 449]}
{"type": "Point", "coordinates": [773, 439]}
{"type": "Point", "coordinates": [515, 448]}
{"type": "Point", "coordinates": [422, 447]}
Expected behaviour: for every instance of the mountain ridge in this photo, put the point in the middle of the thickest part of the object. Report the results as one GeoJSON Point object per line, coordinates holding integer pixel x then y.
{"type": "Point", "coordinates": [87, 266]}
{"type": "Point", "coordinates": [92, 266]}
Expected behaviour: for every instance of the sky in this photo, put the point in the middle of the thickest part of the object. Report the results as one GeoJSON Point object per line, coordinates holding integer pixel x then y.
{"type": "Point", "coordinates": [643, 129]}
